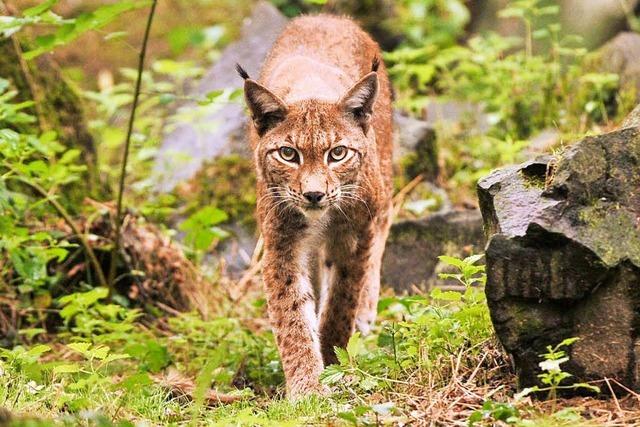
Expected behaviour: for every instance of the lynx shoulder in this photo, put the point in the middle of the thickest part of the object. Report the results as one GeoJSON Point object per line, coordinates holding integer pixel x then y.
{"type": "Point", "coordinates": [321, 136]}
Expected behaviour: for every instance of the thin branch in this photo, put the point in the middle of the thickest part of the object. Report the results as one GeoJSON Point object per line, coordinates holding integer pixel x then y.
{"type": "Point", "coordinates": [127, 146]}
{"type": "Point", "coordinates": [398, 199]}
{"type": "Point", "coordinates": [71, 223]}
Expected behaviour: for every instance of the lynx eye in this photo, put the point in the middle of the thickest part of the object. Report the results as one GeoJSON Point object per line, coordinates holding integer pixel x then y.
{"type": "Point", "coordinates": [338, 153]}
{"type": "Point", "coordinates": [288, 154]}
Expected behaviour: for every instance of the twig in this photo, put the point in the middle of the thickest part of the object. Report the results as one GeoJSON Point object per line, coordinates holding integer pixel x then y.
{"type": "Point", "coordinates": [399, 198]}
{"type": "Point", "coordinates": [257, 251]}
{"type": "Point", "coordinates": [613, 394]}
{"type": "Point", "coordinates": [76, 230]}
{"type": "Point", "coordinates": [241, 287]}
{"type": "Point", "coordinates": [127, 146]}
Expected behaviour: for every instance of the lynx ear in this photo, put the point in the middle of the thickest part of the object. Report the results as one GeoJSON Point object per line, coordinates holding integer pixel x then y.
{"type": "Point", "coordinates": [267, 109]}
{"type": "Point", "coordinates": [358, 102]}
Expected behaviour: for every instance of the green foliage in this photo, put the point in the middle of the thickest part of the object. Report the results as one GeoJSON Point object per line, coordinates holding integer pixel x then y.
{"type": "Point", "coordinates": [519, 90]}
{"type": "Point", "coordinates": [102, 360]}
{"type": "Point", "coordinates": [429, 330]}
{"type": "Point", "coordinates": [200, 228]}
{"type": "Point", "coordinates": [87, 315]}
{"type": "Point", "coordinates": [492, 412]}
{"type": "Point", "coordinates": [234, 191]}
{"type": "Point", "coordinates": [554, 380]}
{"type": "Point", "coordinates": [30, 161]}
{"type": "Point", "coordinates": [69, 29]}
{"type": "Point", "coordinates": [553, 376]}
{"type": "Point", "coordinates": [432, 22]}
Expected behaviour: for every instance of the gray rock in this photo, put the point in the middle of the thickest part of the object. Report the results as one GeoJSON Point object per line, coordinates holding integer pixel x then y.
{"type": "Point", "coordinates": [413, 247]}
{"type": "Point", "coordinates": [563, 257]}
{"type": "Point", "coordinates": [543, 142]}
{"type": "Point", "coordinates": [222, 130]}
{"type": "Point", "coordinates": [453, 112]}
{"type": "Point", "coordinates": [595, 20]}
{"type": "Point", "coordinates": [633, 119]}
{"type": "Point", "coordinates": [415, 147]}
{"type": "Point", "coordinates": [621, 56]}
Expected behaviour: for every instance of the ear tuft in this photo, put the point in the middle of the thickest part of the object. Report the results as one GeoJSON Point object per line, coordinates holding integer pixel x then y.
{"type": "Point", "coordinates": [242, 72]}
{"type": "Point", "coordinates": [375, 63]}
{"type": "Point", "coordinates": [267, 109]}
{"type": "Point", "coordinates": [358, 101]}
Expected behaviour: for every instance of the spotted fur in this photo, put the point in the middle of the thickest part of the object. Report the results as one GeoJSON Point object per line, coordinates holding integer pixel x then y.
{"type": "Point", "coordinates": [322, 87]}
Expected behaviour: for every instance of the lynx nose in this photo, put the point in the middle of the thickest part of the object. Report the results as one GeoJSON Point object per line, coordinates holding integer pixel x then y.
{"type": "Point", "coordinates": [314, 196]}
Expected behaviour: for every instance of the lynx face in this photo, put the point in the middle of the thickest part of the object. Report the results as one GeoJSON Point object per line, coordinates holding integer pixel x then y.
{"type": "Point", "coordinates": [310, 153]}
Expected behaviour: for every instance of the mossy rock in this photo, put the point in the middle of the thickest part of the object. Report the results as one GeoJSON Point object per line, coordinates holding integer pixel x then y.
{"type": "Point", "coordinates": [563, 257]}
{"type": "Point", "coordinates": [227, 183]}
{"type": "Point", "coordinates": [411, 255]}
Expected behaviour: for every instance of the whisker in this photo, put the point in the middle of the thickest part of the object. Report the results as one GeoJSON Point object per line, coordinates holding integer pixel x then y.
{"type": "Point", "coordinates": [351, 197]}
{"type": "Point", "coordinates": [275, 206]}
{"type": "Point", "coordinates": [340, 209]}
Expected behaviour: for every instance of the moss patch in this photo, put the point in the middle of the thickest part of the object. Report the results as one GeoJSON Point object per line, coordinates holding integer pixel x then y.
{"type": "Point", "coordinates": [227, 183]}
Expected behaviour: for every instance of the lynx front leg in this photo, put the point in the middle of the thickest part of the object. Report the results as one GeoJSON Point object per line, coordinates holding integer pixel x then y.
{"type": "Point", "coordinates": [293, 317]}
{"type": "Point", "coordinates": [349, 258]}
{"type": "Point", "coordinates": [368, 304]}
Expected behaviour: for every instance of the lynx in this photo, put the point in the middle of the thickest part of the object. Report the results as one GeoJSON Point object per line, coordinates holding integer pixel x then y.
{"type": "Point", "coordinates": [321, 136]}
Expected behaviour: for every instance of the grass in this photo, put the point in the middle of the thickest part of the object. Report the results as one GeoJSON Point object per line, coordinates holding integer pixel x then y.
{"type": "Point", "coordinates": [432, 360]}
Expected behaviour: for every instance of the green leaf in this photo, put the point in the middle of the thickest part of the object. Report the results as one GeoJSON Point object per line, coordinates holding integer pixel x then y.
{"type": "Point", "coordinates": [32, 332]}
{"type": "Point", "coordinates": [99, 352]}
{"type": "Point", "coordinates": [67, 368]}
{"type": "Point", "coordinates": [355, 345]}
{"type": "Point", "coordinates": [200, 230]}
{"type": "Point", "coordinates": [38, 350]}
{"type": "Point", "coordinates": [349, 416]}
{"type": "Point", "coordinates": [69, 156]}
{"type": "Point", "coordinates": [83, 23]}
{"type": "Point", "coordinates": [439, 294]}
{"type": "Point", "coordinates": [332, 374]}
{"type": "Point", "coordinates": [39, 9]}
{"type": "Point", "coordinates": [80, 347]}
{"type": "Point", "coordinates": [136, 381]}
{"type": "Point", "coordinates": [451, 261]}
{"type": "Point", "coordinates": [341, 354]}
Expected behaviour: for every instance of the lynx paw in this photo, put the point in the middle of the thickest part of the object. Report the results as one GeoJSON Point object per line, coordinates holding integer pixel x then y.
{"type": "Point", "coordinates": [364, 322]}
{"type": "Point", "coordinates": [301, 390]}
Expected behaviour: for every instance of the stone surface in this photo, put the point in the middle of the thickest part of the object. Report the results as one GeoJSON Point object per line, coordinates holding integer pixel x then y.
{"type": "Point", "coordinates": [595, 21]}
{"type": "Point", "coordinates": [415, 147]}
{"type": "Point", "coordinates": [633, 119]}
{"type": "Point", "coordinates": [563, 257]}
{"type": "Point", "coordinates": [222, 130]}
{"type": "Point", "coordinates": [413, 247]}
{"type": "Point", "coordinates": [621, 56]}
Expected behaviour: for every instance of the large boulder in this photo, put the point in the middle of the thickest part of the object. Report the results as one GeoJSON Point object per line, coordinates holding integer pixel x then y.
{"type": "Point", "coordinates": [563, 257]}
